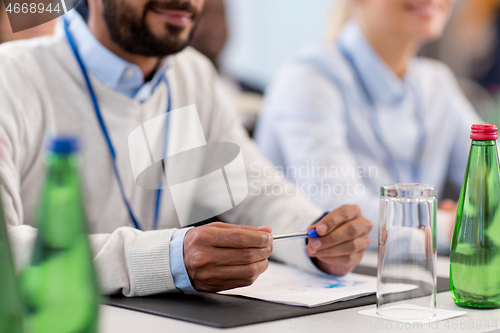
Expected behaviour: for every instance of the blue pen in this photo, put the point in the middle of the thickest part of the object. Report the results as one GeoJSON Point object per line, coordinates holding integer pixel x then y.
{"type": "Point", "coordinates": [303, 234]}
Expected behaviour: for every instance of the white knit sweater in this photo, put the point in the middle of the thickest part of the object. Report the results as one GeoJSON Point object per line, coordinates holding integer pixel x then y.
{"type": "Point", "coordinates": [42, 93]}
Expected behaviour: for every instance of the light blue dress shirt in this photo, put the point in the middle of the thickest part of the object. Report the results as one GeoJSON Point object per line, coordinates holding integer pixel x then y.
{"type": "Point", "coordinates": [127, 79]}
{"type": "Point", "coordinates": [322, 114]}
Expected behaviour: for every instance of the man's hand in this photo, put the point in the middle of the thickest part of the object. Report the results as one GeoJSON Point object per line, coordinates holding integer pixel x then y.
{"type": "Point", "coordinates": [344, 239]}
{"type": "Point", "coordinates": [221, 256]}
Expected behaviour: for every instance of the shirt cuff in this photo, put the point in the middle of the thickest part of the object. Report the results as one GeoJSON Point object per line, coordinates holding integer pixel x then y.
{"type": "Point", "coordinates": [177, 267]}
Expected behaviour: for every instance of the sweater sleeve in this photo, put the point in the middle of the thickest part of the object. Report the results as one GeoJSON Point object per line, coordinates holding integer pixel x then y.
{"type": "Point", "coordinates": [129, 261]}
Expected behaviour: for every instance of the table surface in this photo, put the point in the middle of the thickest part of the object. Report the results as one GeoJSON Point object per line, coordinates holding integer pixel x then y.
{"type": "Point", "coordinates": [117, 320]}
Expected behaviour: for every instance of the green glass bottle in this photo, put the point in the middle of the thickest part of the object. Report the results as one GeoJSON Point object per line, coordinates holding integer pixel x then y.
{"type": "Point", "coordinates": [475, 244]}
{"type": "Point", "coordinates": [60, 288]}
{"type": "Point", "coordinates": [11, 308]}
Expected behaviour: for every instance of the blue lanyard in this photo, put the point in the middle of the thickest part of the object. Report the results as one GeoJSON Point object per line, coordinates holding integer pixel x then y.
{"type": "Point", "coordinates": [105, 132]}
{"type": "Point", "coordinates": [390, 161]}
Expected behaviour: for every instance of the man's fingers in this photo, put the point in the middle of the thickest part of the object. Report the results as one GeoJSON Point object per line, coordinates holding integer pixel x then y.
{"type": "Point", "coordinates": [220, 256]}
{"type": "Point", "coordinates": [227, 238]}
{"type": "Point", "coordinates": [242, 238]}
{"type": "Point", "coordinates": [344, 233]}
{"type": "Point", "coordinates": [234, 257]}
{"type": "Point", "coordinates": [340, 265]}
{"type": "Point", "coordinates": [336, 218]}
{"type": "Point", "coordinates": [240, 272]}
{"type": "Point", "coordinates": [343, 260]}
{"type": "Point", "coordinates": [228, 257]}
{"type": "Point", "coordinates": [239, 226]}
{"type": "Point", "coordinates": [344, 249]}
{"type": "Point", "coordinates": [228, 277]}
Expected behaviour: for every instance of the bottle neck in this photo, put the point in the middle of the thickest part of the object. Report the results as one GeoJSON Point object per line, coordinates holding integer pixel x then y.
{"type": "Point", "coordinates": [61, 216]}
{"type": "Point", "coordinates": [53, 158]}
{"type": "Point", "coordinates": [483, 152]}
{"type": "Point", "coordinates": [484, 143]}
{"type": "Point", "coordinates": [62, 164]}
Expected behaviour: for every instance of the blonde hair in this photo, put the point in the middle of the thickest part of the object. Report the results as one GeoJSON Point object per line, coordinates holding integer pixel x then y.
{"type": "Point", "coordinates": [341, 13]}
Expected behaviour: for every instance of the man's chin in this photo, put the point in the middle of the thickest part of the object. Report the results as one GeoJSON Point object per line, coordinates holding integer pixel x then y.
{"type": "Point", "coordinates": [168, 38]}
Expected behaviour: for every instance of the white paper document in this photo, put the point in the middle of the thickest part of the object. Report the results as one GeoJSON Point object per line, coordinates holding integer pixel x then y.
{"type": "Point", "coordinates": [289, 285]}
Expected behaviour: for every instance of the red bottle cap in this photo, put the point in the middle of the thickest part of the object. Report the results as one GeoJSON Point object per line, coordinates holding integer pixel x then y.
{"type": "Point", "coordinates": [483, 132]}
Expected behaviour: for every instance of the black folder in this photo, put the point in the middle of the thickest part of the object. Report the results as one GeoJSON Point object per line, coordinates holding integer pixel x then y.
{"type": "Point", "coordinates": [225, 311]}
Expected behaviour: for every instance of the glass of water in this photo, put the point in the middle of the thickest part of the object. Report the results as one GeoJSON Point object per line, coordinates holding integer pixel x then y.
{"type": "Point", "coordinates": [406, 286]}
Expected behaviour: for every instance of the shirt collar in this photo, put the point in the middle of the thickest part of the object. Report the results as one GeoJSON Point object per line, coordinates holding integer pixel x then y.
{"type": "Point", "coordinates": [121, 76]}
{"type": "Point", "coordinates": [380, 81]}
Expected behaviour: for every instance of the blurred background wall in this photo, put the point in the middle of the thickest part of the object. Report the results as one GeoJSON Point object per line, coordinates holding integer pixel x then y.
{"type": "Point", "coordinates": [263, 34]}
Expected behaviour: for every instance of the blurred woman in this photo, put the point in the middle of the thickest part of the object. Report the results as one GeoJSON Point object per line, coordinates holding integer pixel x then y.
{"type": "Point", "coordinates": [343, 119]}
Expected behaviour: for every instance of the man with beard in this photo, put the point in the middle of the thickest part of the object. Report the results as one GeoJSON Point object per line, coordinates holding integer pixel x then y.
{"type": "Point", "coordinates": [101, 78]}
